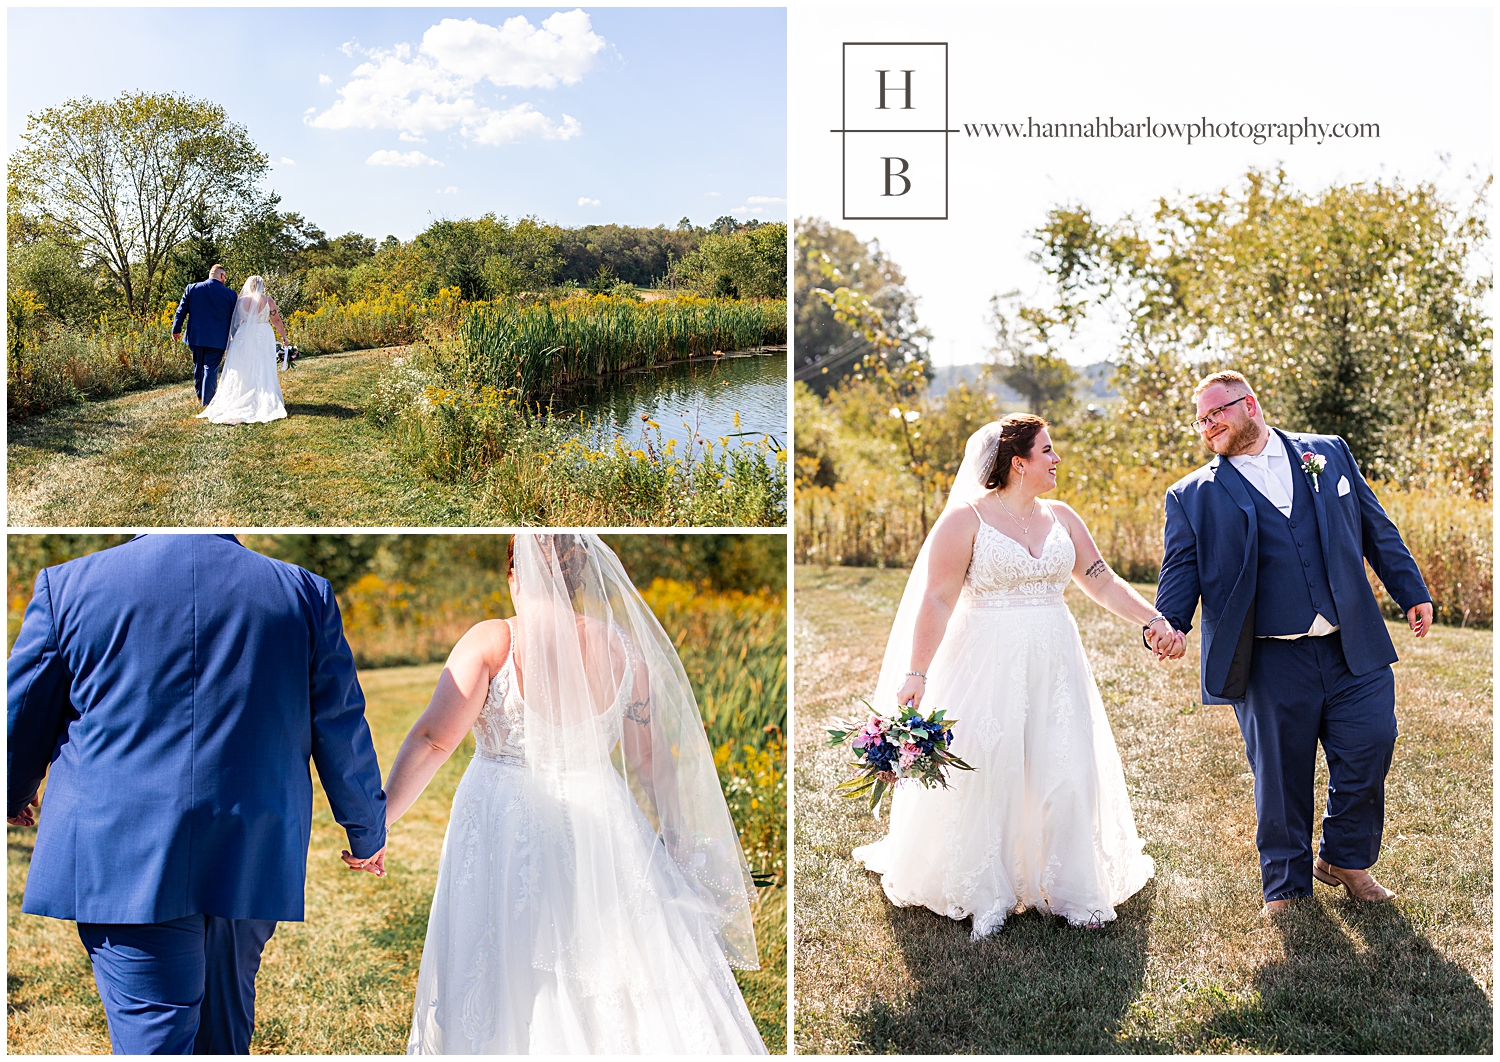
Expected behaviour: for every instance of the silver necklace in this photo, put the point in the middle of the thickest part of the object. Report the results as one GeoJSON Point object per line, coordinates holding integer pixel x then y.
{"type": "Point", "coordinates": [1025, 524]}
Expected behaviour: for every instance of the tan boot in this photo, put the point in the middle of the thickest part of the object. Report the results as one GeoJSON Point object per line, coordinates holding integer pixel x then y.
{"type": "Point", "coordinates": [1361, 884]}
{"type": "Point", "coordinates": [1275, 907]}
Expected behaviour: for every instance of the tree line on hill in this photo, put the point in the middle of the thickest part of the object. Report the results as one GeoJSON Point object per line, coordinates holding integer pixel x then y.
{"type": "Point", "coordinates": [114, 206]}
{"type": "Point", "coordinates": [1357, 310]}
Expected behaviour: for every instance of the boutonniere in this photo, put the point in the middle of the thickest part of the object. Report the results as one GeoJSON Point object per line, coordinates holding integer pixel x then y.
{"type": "Point", "coordinates": [1313, 464]}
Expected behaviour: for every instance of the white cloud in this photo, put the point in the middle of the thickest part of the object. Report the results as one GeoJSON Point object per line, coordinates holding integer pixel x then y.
{"type": "Point", "coordinates": [387, 157]}
{"type": "Point", "coordinates": [765, 199]}
{"type": "Point", "coordinates": [748, 210]}
{"type": "Point", "coordinates": [713, 193]}
{"type": "Point", "coordinates": [286, 162]}
{"type": "Point", "coordinates": [516, 52]}
{"type": "Point", "coordinates": [584, 200]}
{"type": "Point", "coordinates": [437, 89]}
{"type": "Point", "coordinates": [324, 79]}
{"type": "Point", "coordinates": [520, 122]}
{"type": "Point", "coordinates": [310, 110]}
{"type": "Point", "coordinates": [452, 189]}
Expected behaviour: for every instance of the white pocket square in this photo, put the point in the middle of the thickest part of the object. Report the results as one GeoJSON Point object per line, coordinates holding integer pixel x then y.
{"type": "Point", "coordinates": [1343, 485]}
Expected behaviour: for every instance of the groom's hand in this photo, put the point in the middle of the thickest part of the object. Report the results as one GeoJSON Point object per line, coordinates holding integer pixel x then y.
{"type": "Point", "coordinates": [27, 817]}
{"type": "Point", "coordinates": [1419, 618]}
{"type": "Point", "coordinates": [375, 864]}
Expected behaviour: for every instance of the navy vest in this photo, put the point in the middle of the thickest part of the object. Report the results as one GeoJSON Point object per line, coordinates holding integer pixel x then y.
{"type": "Point", "coordinates": [1291, 584]}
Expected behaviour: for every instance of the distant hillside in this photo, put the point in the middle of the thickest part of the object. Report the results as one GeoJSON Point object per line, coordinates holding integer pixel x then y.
{"type": "Point", "coordinates": [1092, 387]}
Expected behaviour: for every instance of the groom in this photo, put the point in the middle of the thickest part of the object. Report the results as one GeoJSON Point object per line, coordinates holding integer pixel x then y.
{"type": "Point", "coordinates": [174, 688]}
{"type": "Point", "coordinates": [1273, 534]}
{"type": "Point", "coordinates": [208, 308]}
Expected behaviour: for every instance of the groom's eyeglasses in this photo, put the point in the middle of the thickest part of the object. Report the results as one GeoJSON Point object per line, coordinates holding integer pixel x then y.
{"type": "Point", "coordinates": [1212, 415]}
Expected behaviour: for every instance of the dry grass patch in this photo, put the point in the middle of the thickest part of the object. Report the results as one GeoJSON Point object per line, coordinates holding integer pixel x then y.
{"type": "Point", "coordinates": [1189, 966]}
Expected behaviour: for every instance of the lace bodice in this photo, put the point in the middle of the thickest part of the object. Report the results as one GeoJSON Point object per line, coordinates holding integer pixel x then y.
{"type": "Point", "coordinates": [253, 309]}
{"type": "Point", "coordinates": [500, 730]}
{"type": "Point", "coordinates": [1002, 572]}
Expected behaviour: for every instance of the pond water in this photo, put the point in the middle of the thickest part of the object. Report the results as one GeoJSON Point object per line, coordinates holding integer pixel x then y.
{"type": "Point", "coordinates": [696, 396]}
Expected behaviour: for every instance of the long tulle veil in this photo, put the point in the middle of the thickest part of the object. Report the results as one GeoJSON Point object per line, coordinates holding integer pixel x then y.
{"type": "Point", "coordinates": [250, 306]}
{"type": "Point", "coordinates": [607, 700]}
{"type": "Point", "coordinates": [968, 487]}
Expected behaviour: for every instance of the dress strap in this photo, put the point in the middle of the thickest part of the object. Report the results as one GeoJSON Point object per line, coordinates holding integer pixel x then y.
{"type": "Point", "coordinates": [982, 520]}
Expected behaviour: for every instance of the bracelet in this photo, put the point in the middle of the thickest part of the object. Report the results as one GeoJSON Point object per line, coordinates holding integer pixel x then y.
{"type": "Point", "coordinates": [919, 674]}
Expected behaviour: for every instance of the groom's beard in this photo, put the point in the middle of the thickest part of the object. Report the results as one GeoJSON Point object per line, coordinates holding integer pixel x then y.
{"type": "Point", "coordinates": [1236, 438]}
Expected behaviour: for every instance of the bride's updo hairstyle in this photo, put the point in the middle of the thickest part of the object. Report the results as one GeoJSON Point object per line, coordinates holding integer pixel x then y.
{"type": "Point", "coordinates": [254, 285]}
{"type": "Point", "coordinates": [1018, 432]}
{"type": "Point", "coordinates": [571, 554]}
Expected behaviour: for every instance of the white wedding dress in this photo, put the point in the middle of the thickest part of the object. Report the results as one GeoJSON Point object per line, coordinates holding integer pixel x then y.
{"type": "Point", "coordinates": [249, 391]}
{"type": "Point", "coordinates": [659, 985]}
{"type": "Point", "coordinates": [1044, 820]}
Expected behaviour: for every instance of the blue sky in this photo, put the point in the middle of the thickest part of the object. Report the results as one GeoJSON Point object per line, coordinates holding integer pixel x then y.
{"type": "Point", "coordinates": [381, 120]}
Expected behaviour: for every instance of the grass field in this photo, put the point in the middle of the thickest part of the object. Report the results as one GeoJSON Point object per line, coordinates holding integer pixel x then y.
{"type": "Point", "coordinates": [342, 981]}
{"type": "Point", "coordinates": [143, 459]}
{"type": "Point", "coordinates": [1189, 965]}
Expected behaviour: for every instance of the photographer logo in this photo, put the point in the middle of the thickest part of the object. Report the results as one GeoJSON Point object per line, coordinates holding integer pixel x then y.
{"type": "Point", "coordinates": [895, 131]}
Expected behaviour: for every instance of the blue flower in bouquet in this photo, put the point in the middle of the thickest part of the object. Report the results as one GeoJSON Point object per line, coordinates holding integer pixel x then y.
{"type": "Point", "coordinates": [892, 748]}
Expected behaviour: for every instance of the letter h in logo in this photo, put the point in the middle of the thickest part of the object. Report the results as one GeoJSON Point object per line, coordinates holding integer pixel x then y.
{"type": "Point", "coordinates": [895, 131]}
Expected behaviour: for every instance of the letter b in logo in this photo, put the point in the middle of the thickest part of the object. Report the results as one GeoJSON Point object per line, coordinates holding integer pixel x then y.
{"type": "Point", "coordinates": [895, 131]}
{"type": "Point", "coordinates": [896, 175]}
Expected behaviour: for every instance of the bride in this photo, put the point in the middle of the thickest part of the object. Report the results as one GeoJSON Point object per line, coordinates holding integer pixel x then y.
{"type": "Point", "coordinates": [249, 392]}
{"type": "Point", "coordinates": [591, 895]}
{"type": "Point", "coordinates": [1044, 820]}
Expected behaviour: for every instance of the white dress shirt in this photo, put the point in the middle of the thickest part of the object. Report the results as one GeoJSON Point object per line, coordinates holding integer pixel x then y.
{"type": "Point", "coordinates": [1270, 472]}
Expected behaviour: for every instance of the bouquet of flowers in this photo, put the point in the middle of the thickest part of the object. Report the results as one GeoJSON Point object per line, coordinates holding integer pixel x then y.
{"type": "Point", "coordinates": [286, 356]}
{"type": "Point", "coordinates": [892, 748]}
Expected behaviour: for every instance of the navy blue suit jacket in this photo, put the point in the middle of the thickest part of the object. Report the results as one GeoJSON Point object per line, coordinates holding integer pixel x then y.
{"type": "Point", "coordinates": [175, 688]}
{"type": "Point", "coordinates": [1211, 554]}
{"type": "Point", "coordinates": [208, 307]}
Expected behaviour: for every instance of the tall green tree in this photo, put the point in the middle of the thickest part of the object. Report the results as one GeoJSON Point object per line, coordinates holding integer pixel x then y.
{"type": "Point", "coordinates": [854, 311]}
{"type": "Point", "coordinates": [749, 263]}
{"type": "Point", "coordinates": [1032, 369]}
{"type": "Point", "coordinates": [1356, 310]}
{"type": "Point", "coordinates": [121, 178]}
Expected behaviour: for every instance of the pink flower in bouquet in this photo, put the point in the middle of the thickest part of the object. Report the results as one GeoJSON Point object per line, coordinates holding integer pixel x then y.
{"type": "Point", "coordinates": [909, 753]}
{"type": "Point", "coordinates": [868, 736]}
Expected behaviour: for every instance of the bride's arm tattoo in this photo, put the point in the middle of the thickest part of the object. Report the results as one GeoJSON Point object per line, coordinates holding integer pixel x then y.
{"type": "Point", "coordinates": [639, 711]}
{"type": "Point", "coordinates": [1097, 570]}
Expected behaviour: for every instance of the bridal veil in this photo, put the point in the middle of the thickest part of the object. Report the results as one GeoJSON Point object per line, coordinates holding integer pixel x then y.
{"type": "Point", "coordinates": [968, 487]}
{"type": "Point", "coordinates": [606, 699]}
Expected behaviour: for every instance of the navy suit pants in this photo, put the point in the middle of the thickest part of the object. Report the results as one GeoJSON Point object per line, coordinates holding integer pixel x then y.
{"type": "Point", "coordinates": [206, 372]}
{"type": "Point", "coordinates": [1301, 693]}
{"type": "Point", "coordinates": [182, 987]}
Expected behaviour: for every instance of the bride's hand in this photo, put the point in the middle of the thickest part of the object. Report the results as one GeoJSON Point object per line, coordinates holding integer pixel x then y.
{"type": "Point", "coordinates": [911, 691]}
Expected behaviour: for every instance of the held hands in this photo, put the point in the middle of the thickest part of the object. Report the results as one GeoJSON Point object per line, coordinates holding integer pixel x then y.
{"type": "Point", "coordinates": [1164, 641]}
{"type": "Point", "coordinates": [1419, 618]}
{"type": "Point", "coordinates": [27, 817]}
{"type": "Point", "coordinates": [375, 864]}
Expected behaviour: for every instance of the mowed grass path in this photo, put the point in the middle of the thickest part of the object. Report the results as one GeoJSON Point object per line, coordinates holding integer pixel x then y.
{"type": "Point", "coordinates": [342, 981]}
{"type": "Point", "coordinates": [1189, 965]}
{"type": "Point", "coordinates": [143, 459]}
